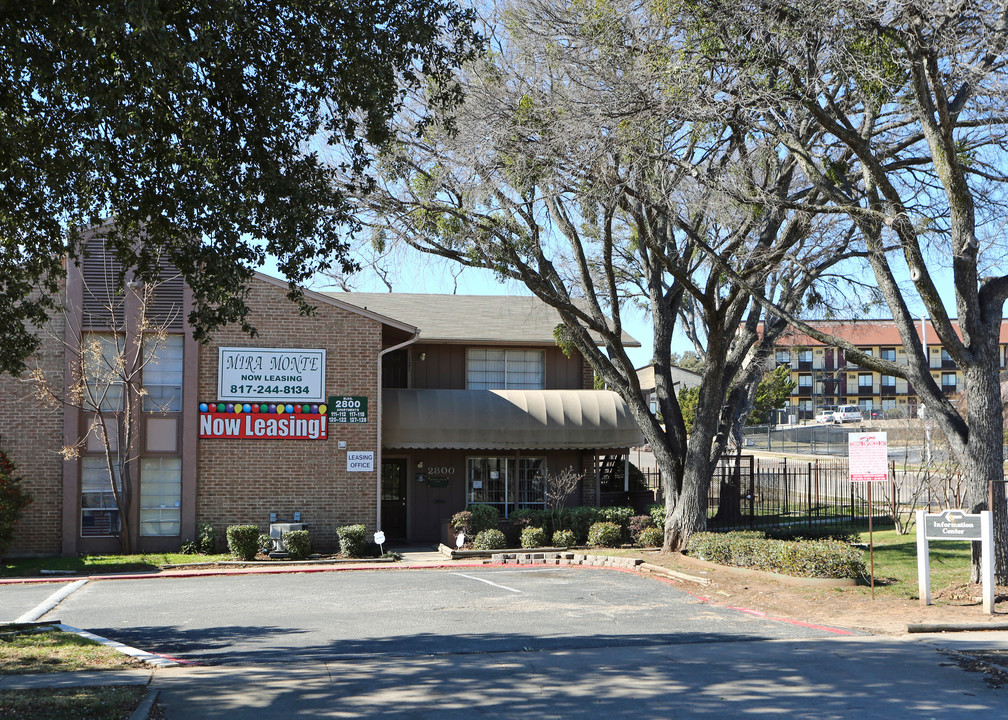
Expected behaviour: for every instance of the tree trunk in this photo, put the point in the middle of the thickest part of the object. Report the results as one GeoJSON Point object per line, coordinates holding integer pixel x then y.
{"type": "Point", "coordinates": [983, 463]}
{"type": "Point", "coordinates": [690, 514]}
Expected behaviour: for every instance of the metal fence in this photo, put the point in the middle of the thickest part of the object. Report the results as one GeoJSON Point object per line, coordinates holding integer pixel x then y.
{"type": "Point", "coordinates": [757, 493]}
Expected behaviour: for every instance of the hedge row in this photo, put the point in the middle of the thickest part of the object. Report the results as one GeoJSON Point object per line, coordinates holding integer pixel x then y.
{"type": "Point", "coordinates": [751, 549]}
{"type": "Point", "coordinates": [577, 520]}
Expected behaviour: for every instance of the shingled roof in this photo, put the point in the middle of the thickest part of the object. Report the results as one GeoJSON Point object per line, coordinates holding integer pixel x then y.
{"type": "Point", "coordinates": [469, 319]}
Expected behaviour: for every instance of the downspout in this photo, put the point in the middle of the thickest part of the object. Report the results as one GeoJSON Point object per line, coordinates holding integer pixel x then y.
{"type": "Point", "coordinates": [378, 454]}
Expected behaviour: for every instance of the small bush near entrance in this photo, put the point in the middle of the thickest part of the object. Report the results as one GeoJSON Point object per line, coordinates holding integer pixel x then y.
{"type": "Point", "coordinates": [619, 516]}
{"type": "Point", "coordinates": [490, 540]}
{"type": "Point", "coordinates": [637, 525]}
{"type": "Point", "coordinates": [809, 558]}
{"type": "Point", "coordinates": [484, 517]}
{"type": "Point", "coordinates": [564, 538]}
{"type": "Point", "coordinates": [651, 537]}
{"type": "Point", "coordinates": [657, 513]}
{"type": "Point", "coordinates": [265, 544]}
{"type": "Point", "coordinates": [243, 541]}
{"type": "Point", "coordinates": [533, 537]}
{"type": "Point", "coordinates": [605, 534]}
{"type": "Point", "coordinates": [206, 538]}
{"type": "Point", "coordinates": [351, 540]}
{"type": "Point", "coordinates": [581, 518]}
{"type": "Point", "coordinates": [298, 543]}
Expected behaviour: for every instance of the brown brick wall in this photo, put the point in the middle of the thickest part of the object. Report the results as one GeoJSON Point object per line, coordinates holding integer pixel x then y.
{"type": "Point", "coordinates": [243, 481]}
{"type": "Point", "coordinates": [31, 434]}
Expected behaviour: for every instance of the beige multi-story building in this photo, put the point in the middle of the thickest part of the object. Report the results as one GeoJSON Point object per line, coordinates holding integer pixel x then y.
{"type": "Point", "coordinates": [823, 376]}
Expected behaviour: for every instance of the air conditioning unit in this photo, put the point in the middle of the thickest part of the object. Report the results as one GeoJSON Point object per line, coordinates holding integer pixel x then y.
{"type": "Point", "coordinates": [278, 529]}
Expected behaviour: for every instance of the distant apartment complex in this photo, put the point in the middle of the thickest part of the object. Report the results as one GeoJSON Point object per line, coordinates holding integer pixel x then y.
{"type": "Point", "coordinates": [823, 376]}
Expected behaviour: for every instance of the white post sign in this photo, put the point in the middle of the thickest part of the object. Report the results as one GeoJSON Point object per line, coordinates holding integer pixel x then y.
{"type": "Point", "coordinates": [956, 525]}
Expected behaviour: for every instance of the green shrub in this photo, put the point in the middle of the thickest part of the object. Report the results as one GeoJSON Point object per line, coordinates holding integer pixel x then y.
{"type": "Point", "coordinates": [651, 537]}
{"type": "Point", "coordinates": [463, 522]}
{"type": "Point", "coordinates": [580, 519]}
{"type": "Point", "coordinates": [805, 558]}
{"type": "Point", "coordinates": [605, 534]}
{"type": "Point", "coordinates": [533, 537]}
{"type": "Point", "coordinates": [13, 501]}
{"type": "Point", "coordinates": [188, 548]}
{"type": "Point", "coordinates": [637, 525]}
{"type": "Point", "coordinates": [484, 517]}
{"type": "Point", "coordinates": [492, 539]}
{"type": "Point", "coordinates": [206, 538]}
{"type": "Point", "coordinates": [564, 538]}
{"type": "Point", "coordinates": [298, 543]}
{"type": "Point", "coordinates": [351, 540]}
{"type": "Point", "coordinates": [816, 532]}
{"type": "Point", "coordinates": [657, 513]}
{"type": "Point", "coordinates": [243, 541]}
{"type": "Point", "coordinates": [617, 515]}
{"type": "Point", "coordinates": [265, 544]}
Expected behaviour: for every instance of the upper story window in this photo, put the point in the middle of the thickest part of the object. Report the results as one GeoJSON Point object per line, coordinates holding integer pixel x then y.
{"type": "Point", "coordinates": [493, 369]}
{"type": "Point", "coordinates": [162, 374]}
{"type": "Point", "coordinates": [783, 357]}
{"type": "Point", "coordinates": [804, 356]}
{"type": "Point", "coordinates": [103, 361]}
{"type": "Point", "coordinates": [804, 381]}
{"type": "Point", "coordinates": [889, 354]}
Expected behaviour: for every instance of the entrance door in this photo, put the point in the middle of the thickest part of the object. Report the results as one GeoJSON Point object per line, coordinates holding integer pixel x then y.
{"type": "Point", "coordinates": [393, 500]}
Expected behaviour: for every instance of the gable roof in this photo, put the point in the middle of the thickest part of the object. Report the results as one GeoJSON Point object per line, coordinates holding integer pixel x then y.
{"type": "Point", "coordinates": [470, 319]}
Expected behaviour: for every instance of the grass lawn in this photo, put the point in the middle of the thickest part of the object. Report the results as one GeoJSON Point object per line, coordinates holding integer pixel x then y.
{"type": "Point", "coordinates": [98, 564]}
{"type": "Point", "coordinates": [896, 563]}
{"type": "Point", "coordinates": [57, 651]}
{"type": "Point", "coordinates": [85, 703]}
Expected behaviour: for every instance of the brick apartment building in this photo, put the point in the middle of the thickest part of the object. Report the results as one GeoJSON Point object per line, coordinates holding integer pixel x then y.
{"type": "Point", "coordinates": [471, 397]}
{"type": "Point", "coordinates": [823, 376]}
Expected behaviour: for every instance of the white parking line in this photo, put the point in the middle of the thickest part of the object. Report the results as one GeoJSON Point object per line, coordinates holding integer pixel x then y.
{"type": "Point", "coordinates": [50, 602]}
{"type": "Point", "coordinates": [502, 587]}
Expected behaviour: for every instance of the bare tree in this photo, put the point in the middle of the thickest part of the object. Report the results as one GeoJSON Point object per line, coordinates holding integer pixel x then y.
{"type": "Point", "coordinates": [106, 386]}
{"type": "Point", "coordinates": [912, 99]}
{"type": "Point", "coordinates": [581, 169]}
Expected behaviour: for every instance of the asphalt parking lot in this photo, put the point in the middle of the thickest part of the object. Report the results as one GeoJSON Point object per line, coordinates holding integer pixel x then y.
{"type": "Point", "coordinates": [327, 616]}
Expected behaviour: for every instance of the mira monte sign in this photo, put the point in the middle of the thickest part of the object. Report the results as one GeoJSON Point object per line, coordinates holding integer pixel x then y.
{"type": "Point", "coordinates": [270, 374]}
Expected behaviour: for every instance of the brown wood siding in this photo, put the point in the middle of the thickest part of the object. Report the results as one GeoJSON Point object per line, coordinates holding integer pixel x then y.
{"type": "Point", "coordinates": [444, 367]}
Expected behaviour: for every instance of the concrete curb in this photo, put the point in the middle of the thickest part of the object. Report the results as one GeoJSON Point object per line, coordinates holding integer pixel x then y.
{"type": "Point", "coordinates": [50, 602]}
{"type": "Point", "coordinates": [954, 627]}
{"type": "Point", "coordinates": [147, 657]}
{"type": "Point", "coordinates": [143, 709]}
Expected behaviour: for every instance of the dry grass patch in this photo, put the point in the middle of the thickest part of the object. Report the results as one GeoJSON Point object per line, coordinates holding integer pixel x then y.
{"type": "Point", "coordinates": [84, 703]}
{"type": "Point", "coordinates": [57, 651]}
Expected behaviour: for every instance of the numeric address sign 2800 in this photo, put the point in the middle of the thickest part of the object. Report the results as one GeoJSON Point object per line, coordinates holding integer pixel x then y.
{"type": "Point", "coordinates": [253, 374]}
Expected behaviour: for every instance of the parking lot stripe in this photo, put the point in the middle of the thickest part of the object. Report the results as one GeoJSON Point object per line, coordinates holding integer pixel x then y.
{"type": "Point", "coordinates": [502, 587]}
{"type": "Point", "coordinates": [50, 602]}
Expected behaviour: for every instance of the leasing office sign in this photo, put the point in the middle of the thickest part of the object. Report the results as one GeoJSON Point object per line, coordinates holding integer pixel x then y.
{"type": "Point", "coordinates": [271, 374]}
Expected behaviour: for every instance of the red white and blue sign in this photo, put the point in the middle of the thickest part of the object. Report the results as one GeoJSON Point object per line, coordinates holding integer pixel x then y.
{"type": "Point", "coordinates": [263, 421]}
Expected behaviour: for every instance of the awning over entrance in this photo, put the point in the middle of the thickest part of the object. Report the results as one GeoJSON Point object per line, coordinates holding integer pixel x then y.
{"type": "Point", "coordinates": [507, 420]}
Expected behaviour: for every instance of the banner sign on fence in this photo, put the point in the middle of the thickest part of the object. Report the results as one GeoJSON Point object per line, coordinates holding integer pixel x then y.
{"type": "Point", "coordinates": [868, 455]}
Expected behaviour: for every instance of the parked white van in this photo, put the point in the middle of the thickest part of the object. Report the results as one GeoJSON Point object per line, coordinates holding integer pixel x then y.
{"type": "Point", "coordinates": [847, 413]}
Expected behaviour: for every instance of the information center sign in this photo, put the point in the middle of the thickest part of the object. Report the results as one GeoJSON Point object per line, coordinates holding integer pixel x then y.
{"type": "Point", "coordinates": [270, 374]}
{"type": "Point", "coordinates": [952, 525]}
{"type": "Point", "coordinates": [868, 457]}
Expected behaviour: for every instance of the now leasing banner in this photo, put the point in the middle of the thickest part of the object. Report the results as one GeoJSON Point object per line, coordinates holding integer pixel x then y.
{"type": "Point", "coordinates": [288, 426]}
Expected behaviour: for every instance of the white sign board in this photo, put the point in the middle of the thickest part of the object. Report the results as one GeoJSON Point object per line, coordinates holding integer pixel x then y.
{"type": "Point", "coordinates": [360, 461]}
{"type": "Point", "coordinates": [270, 374]}
{"type": "Point", "coordinates": [868, 455]}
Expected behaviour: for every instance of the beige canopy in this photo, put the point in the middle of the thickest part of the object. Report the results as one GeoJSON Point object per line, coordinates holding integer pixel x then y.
{"type": "Point", "coordinates": [507, 420]}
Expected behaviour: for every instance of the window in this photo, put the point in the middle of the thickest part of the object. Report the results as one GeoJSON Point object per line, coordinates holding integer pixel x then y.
{"type": "Point", "coordinates": [889, 354]}
{"type": "Point", "coordinates": [162, 374]}
{"type": "Point", "coordinates": [804, 356]}
{"type": "Point", "coordinates": [506, 483]}
{"type": "Point", "coordinates": [783, 357]}
{"type": "Point", "coordinates": [103, 357]}
{"type": "Point", "coordinates": [945, 357]}
{"type": "Point", "coordinates": [489, 369]}
{"type": "Point", "coordinates": [99, 514]}
{"type": "Point", "coordinates": [160, 496]}
{"type": "Point", "coordinates": [948, 380]}
{"type": "Point", "coordinates": [804, 381]}
{"type": "Point", "coordinates": [864, 380]}
{"type": "Point", "coordinates": [889, 382]}
{"type": "Point", "coordinates": [866, 407]}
